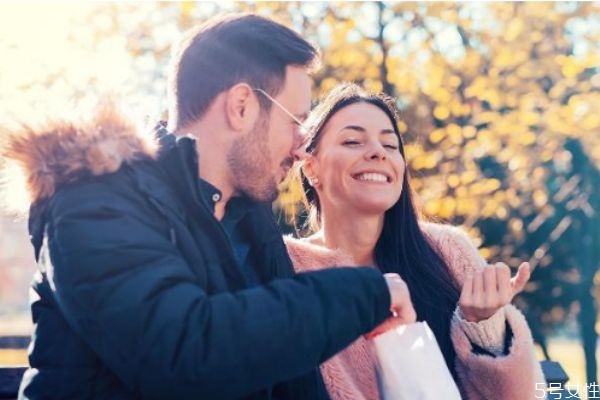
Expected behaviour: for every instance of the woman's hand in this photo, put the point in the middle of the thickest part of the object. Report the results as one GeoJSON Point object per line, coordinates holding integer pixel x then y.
{"type": "Point", "coordinates": [486, 290]}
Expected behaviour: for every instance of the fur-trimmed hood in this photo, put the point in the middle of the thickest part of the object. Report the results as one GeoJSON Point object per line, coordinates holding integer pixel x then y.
{"type": "Point", "coordinates": [36, 161]}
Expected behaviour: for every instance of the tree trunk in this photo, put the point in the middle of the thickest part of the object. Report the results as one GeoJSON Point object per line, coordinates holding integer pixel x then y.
{"type": "Point", "coordinates": [387, 87]}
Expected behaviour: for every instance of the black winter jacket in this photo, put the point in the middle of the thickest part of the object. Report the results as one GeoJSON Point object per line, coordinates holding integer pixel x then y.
{"type": "Point", "coordinates": [139, 294]}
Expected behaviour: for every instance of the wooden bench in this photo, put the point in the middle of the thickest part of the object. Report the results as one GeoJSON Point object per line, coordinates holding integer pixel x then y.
{"type": "Point", "coordinates": [14, 342]}
{"type": "Point", "coordinates": [555, 376]}
{"type": "Point", "coordinates": [554, 373]}
{"type": "Point", "coordinates": [10, 378]}
{"type": "Point", "coordinates": [11, 375]}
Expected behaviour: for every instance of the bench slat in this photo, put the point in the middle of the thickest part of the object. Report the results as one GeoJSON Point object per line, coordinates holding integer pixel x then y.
{"type": "Point", "coordinates": [14, 342]}
{"type": "Point", "coordinates": [10, 378]}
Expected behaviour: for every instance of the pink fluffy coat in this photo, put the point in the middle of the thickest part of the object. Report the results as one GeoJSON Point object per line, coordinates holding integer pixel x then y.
{"type": "Point", "coordinates": [350, 375]}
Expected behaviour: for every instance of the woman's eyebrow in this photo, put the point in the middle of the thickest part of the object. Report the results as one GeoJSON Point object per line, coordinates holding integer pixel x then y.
{"type": "Point", "coordinates": [359, 128]}
{"type": "Point", "coordinates": [353, 128]}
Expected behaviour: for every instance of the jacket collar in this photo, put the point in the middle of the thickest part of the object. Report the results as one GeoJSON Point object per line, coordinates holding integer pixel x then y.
{"type": "Point", "coordinates": [179, 158]}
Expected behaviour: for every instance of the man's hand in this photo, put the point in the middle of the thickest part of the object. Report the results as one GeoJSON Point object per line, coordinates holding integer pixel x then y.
{"type": "Point", "coordinates": [401, 306]}
{"type": "Point", "coordinates": [486, 290]}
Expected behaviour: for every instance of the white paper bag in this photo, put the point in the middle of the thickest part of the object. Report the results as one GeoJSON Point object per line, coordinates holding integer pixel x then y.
{"type": "Point", "coordinates": [411, 365]}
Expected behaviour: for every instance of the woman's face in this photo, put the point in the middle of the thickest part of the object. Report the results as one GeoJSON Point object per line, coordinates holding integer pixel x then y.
{"type": "Point", "coordinates": [358, 162]}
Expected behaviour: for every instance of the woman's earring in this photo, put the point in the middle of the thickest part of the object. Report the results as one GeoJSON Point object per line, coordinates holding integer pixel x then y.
{"type": "Point", "coordinates": [313, 181]}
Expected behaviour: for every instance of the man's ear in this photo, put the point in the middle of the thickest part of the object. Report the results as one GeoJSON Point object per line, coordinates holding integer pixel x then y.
{"type": "Point", "coordinates": [241, 107]}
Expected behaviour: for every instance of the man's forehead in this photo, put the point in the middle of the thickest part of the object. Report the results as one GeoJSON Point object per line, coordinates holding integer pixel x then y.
{"type": "Point", "coordinates": [297, 81]}
{"type": "Point", "coordinates": [296, 91]}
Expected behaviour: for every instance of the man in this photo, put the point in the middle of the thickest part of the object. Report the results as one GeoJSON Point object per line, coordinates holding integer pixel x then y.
{"type": "Point", "coordinates": [162, 271]}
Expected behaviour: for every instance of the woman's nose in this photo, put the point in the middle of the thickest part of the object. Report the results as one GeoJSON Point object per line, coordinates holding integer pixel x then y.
{"type": "Point", "coordinates": [375, 152]}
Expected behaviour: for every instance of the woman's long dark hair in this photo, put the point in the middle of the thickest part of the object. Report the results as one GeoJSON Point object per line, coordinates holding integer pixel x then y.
{"type": "Point", "coordinates": [402, 247]}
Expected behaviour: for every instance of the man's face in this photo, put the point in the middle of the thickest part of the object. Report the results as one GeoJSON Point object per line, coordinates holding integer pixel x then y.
{"type": "Point", "coordinates": [262, 159]}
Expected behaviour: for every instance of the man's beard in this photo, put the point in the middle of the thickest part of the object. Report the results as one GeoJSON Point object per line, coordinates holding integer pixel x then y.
{"type": "Point", "coordinates": [250, 163]}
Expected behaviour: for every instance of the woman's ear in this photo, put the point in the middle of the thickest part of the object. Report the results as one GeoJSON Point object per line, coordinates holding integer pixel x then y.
{"type": "Point", "coordinates": [241, 107]}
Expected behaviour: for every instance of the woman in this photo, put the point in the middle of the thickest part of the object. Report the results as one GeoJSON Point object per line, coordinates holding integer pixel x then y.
{"type": "Point", "coordinates": [361, 212]}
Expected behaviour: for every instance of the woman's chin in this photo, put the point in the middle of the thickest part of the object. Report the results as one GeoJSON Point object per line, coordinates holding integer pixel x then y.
{"type": "Point", "coordinates": [374, 207]}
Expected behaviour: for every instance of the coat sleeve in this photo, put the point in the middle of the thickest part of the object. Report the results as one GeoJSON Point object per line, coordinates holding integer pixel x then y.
{"type": "Point", "coordinates": [515, 375]}
{"type": "Point", "coordinates": [129, 294]}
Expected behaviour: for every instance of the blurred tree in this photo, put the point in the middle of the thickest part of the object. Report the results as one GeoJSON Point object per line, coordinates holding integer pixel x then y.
{"type": "Point", "coordinates": [493, 96]}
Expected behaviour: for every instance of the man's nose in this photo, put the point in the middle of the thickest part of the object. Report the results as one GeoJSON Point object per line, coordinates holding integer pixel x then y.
{"type": "Point", "coordinates": [300, 153]}
{"type": "Point", "coordinates": [299, 150]}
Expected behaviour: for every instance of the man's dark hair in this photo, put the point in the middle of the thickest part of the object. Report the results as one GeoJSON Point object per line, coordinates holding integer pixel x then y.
{"type": "Point", "coordinates": [225, 51]}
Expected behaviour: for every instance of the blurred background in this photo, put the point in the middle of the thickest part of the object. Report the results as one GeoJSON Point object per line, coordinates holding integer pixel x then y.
{"type": "Point", "coordinates": [501, 120]}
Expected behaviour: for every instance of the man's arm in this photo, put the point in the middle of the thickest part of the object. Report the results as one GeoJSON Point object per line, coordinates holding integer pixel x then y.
{"type": "Point", "coordinates": [128, 292]}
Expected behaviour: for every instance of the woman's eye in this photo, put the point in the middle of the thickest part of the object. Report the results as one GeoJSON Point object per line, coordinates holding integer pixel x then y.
{"type": "Point", "coordinates": [351, 142]}
{"type": "Point", "coordinates": [390, 146]}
